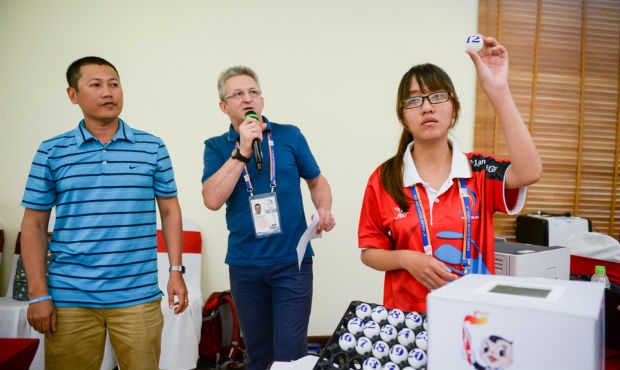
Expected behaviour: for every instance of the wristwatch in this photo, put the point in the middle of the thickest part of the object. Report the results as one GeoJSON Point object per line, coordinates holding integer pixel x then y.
{"type": "Point", "coordinates": [181, 269]}
{"type": "Point", "coordinates": [236, 154]}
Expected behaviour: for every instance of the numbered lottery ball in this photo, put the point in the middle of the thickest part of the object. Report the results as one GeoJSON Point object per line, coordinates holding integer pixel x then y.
{"type": "Point", "coordinates": [474, 42]}
{"type": "Point", "coordinates": [425, 323]}
{"type": "Point", "coordinates": [380, 350]}
{"type": "Point", "coordinates": [379, 314]}
{"type": "Point", "coordinates": [371, 363]}
{"type": "Point", "coordinates": [363, 346]}
{"type": "Point", "coordinates": [398, 353]}
{"type": "Point", "coordinates": [396, 317]}
{"type": "Point", "coordinates": [347, 342]}
{"type": "Point", "coordinates": [421, 340]}
{"type": "Point", "coordinates": [413, 320]}
{"type": "Point", "coordinates": [417, 358]}
{"type": "Point", "coordinates": [363, 310]}
{"type": "Point", "coordinates": [407, 368]}
{"type": "Point", "coordinates": [406, 337]}
{"type": "Point", "coordinates": [372, 329]}
{"type": "Point", "coordinates": [390, 366]}
{"type": "Point", "coordinates": [388, 333]}
{"type": "Point", "coordinates": [355, 326]}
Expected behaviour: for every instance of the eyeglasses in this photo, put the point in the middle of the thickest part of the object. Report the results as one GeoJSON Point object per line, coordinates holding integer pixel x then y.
{"type": "Point", "coordinates": [239, 94]}
{"type": "Point", "coordinates": [417, 101]}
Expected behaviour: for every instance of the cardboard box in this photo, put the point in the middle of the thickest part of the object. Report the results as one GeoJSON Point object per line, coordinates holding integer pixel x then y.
{"type": "Point", "coordinates": [507, 322]}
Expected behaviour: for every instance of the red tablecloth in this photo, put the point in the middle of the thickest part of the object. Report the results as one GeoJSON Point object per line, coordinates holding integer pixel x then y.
{"type": "Point", "coordinates": [17, 353]}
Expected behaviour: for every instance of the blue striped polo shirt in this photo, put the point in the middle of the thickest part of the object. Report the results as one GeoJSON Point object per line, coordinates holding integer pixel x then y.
{"type": "Point", "coordinates": [104, 240]}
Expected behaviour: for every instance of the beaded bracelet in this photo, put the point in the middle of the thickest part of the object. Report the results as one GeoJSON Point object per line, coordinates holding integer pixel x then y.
{"type": "Point", "coordinates": [40, 299]}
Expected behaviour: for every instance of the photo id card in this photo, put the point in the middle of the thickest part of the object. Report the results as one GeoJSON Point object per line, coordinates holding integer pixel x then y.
{"type": "Point", "coordinates": [265, 215]}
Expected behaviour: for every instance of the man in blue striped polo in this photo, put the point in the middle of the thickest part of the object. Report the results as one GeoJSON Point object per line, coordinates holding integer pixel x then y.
{"type": "Point", "coordinates": [105, 181]}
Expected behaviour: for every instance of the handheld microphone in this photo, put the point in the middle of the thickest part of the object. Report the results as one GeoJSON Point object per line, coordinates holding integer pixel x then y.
{"type": "Point", "coordinates": [258, 153]}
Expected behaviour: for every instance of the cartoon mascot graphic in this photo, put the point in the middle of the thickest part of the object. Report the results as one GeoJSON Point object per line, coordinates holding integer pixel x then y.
{"type": "Point", "coordinates": [495, 351]}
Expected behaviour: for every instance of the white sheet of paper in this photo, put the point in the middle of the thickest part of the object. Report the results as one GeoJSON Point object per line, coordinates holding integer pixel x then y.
{"type": "Point", "coordinates": [308, 235]}
{"type": "Point", "coordinates": [304, 363]}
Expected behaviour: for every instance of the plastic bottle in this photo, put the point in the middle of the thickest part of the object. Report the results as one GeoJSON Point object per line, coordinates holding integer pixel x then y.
{"type": "Point", "coordinates": [600, 276]}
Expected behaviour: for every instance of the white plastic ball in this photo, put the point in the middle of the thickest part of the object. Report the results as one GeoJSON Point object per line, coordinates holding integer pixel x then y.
{"type": "Point", "coordinates": [421, 340]}
{"type": "Point", "coordinates": [347, 341]}
{"type": "Point", "coordinates": [379, 314]}
{"type": "Point", "coordinates": [398, 353]}
{"type": "Point", "coordinates": [388, 333]}
{"type": "Point", "coordinates": [413, 320]}
{"type": "Point", "coordinates": [407, 368]}
{"type": "Point", "coordinates": [390, 366]}
{"type": "Point", "coordinates": [474, 42]}
{"type": "Point", "coordinates": [355, 325]}
{"type": "Point", "coordinates": [406, 337]}
{"type": "Point", "coordinates": [380, 350]}
{"type": "Point", "coordinates": [363, 310]}
{"type": "Point", "coordinates": [396, 317]}
{"type": "Point", "coordinates": [371, 363]}
{"type": "Point", "coordinates": [425, 323]}
{"type": "Point", "coordinates": [371, 329]}
{"type": "Point", "coordinates": [363, 346]}
{"type": "Point", "coordinates": [417, 358]}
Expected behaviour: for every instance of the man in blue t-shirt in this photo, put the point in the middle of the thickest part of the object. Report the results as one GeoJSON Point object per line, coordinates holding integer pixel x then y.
{"type": "Point", "coordinates": [271, 291]}
{"type": "Point", "coordinates": [105, 181]}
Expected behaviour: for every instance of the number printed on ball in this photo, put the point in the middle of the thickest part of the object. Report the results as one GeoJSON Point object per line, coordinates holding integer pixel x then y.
{"type": "Point", "coordinates": [363, 310]}
{"type": "Point", "coordinates": [388, 333]}
{"type": "Point", "coordinates": [371, 363]}
{"type": "Point", "coordinates": [398, 353]}
{"type": "Point", "coordinates": [347, 341]}
{"type": "Point", "coordinates": [396, 317]}
{"type": "Point", "coordinates": [421, 340]}
{"type": "Point", "coordinates": [413, 320]}
{"type": "Point", "coordinates": [379, 314]}
{"type": "Point", "coordinates": [363, 346]}
{"type": "Point", "coordinates": [355, 325]}
{"type": "Point", "coordinates": [416, 358]}
{"type": "Point", "coordinates": [380, 349]}
{"type": "Point", "coordinates": [474, 42]}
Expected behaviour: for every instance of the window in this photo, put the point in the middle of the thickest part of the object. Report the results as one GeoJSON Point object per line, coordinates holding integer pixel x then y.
{"type": "Point", "coordinates": [564, 76]}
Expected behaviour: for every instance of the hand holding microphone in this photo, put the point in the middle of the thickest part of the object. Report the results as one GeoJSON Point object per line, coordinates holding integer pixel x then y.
{"type": "Point", "coordinates": [258, 153]}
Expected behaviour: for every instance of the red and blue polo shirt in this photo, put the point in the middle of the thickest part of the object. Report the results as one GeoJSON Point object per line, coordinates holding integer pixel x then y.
{"type": "Point", "coordinates": [384, 225]}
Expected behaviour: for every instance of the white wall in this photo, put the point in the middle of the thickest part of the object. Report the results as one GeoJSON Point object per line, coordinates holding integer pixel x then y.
{"type": "Point", "coordinates": [330, 67]}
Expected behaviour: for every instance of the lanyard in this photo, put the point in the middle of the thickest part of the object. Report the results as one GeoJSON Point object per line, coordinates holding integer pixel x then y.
{"type": "Point", "coordinates": [466, 260]}
{"type": "Point", "coordinates": [272, 167]}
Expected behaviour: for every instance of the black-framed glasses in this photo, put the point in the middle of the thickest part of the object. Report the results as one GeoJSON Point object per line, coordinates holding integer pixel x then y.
{"type": "Point", "coordinates": [239, 94]}
{"type": "Point", "coordinates": [417, 101]}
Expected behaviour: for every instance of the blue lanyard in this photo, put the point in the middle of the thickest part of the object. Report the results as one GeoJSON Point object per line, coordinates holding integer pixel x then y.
{"type": "Point", "coordinates": [272, 167]}
{"type": "Point", "coordinates": [466, 260]}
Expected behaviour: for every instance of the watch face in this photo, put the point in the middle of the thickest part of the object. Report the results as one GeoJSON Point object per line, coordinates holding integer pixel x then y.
{"type": "Point", "coordinates": [237, 155]}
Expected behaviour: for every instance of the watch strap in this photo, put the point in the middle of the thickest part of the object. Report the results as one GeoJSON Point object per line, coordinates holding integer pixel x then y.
{"type": "Point", "coordinates": [181, 269]}
{"type": "Point", "coordinates": [236, 154]}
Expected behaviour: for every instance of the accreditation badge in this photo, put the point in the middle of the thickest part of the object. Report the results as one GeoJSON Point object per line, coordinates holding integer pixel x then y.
{"type": "Point", "coordinates": [265, 214]}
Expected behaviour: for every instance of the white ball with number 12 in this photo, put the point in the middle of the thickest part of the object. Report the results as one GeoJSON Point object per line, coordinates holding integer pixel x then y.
{"type": "Point", "coordinates": [474, 42]}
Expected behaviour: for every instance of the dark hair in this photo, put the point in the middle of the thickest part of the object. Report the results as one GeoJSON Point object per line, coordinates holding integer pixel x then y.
{"type": "Point", "coordinates": [74, 71]}
{"type": "Point", "coordinates": [430, 78]}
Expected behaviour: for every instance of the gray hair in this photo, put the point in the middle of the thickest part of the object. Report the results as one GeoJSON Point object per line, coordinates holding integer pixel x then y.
{"type": "Point", "coordinates": [232, 72]}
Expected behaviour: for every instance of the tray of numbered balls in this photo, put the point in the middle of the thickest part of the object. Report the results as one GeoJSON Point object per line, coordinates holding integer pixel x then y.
{"type": "Point", "coordinates": [371, 337]}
